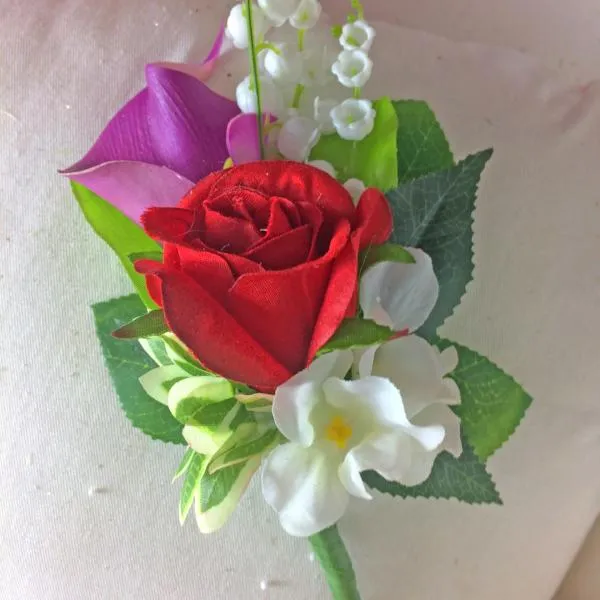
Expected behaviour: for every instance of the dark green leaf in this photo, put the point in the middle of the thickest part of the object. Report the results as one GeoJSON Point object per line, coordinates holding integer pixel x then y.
{"type": "Point", "coordinates": [119, 232]}
{"type": "Point", "coordinates": [385, 252]}
{"type": "Point", "coordinates": [126, 362]}
{"type": "Point", "coordinates": [215, 487]}
{"type": "Point", "coordinates": [239, 448]}
{"type": "Point", "coordinates": [434, 213]}
{"type": "Point", "coordinates": [372, 160]}
{"type": "Point", "coordinates": [191, 484]}
{"type": "Point", "coordinates": [422, 145]}
{"type": "Point", "coordinates": [492, 402]}
{"type": "Point", "coordinates": [464, 478]}
{"type": "Point", "coordinates": [151, 324]}
{"type": "Point", "coordinates": [356, 333]}
{"type": "Point", "coordinates": [212, 415]}
{"type": "Point", "coordinates": [184, 464]}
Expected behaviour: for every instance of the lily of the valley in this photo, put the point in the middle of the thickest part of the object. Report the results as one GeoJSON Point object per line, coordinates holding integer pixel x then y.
{"type": "Point", "coordinates": [358, 35]}
{"type": "Point", "coordinates": [237, 24]}
{"type": "Point", "coordinates": [279, 11]}
{"type": "Point", "coordinates": [298, 136]}
{"type": "Point", "coordinates": [353, 119]}
{"type": "Point", "coordinates": [353, 68]}
{"type": "Point", "coordinates": [307, 15]}
{"type": "Point", "coordinates": [391, 420]}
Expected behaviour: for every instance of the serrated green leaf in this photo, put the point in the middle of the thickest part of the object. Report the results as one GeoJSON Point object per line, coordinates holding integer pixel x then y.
{"type": "Point", "coordinates": [126, 363]}
{"type": "Point", "coordinates": [422, 144]}
{"type": "Point", "coordinates": [434, 213]}
{"type": "Point", "coordinates": [356, 333]}
{"type": "Point", "coordinates": [119, 232]}
{"type": "Point", "coordinates": [465, 479]}
{"type": "Point", "coordinates": [492, 403]}
{"type": "Point", "coordinates": [191, 484]}
{"type": "Point", "coordinates": [384, 252]}
{"type": "Point", "coordinates": [246, 442]}
{"type": "Point", "coordinates": [184, 464]}
{"type": "Point", "coordinates": [151, 324]}
{"type": "Point", "coordinates": [372, 160]}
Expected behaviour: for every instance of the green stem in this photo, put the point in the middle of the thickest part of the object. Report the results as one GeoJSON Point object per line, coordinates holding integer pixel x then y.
{"type": "Point", "coordinates": [297, 95]}
{"type": "Point", "coordinates": [335, 562]}
{"type": "Point", "coordinates": [255, 78]}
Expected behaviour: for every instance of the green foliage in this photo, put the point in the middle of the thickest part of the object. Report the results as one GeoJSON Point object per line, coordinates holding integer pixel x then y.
{"type": "Point", "coordinates": [356, 333]}
{"type": "Point", "coordinates": [191, 484]}
{"type": "Point", "coordinates": [465, 479]}
{"type": "Point", "coordinates": [384, 252]}
{"type": "Point", "coordinates": [184, 464]}
{"type": "Point", "coordinates": [492, 402]}
{"type": "Point", "coordinates": [372, 160]}
{"type": "Point", "coordinates": [434, 213]}
{"type": "Point", "coordinates": [126, 362]}
{"type": "Point", "coordinates": [422, 145]}
{"type": "Point", "coordinates": [215, 487]}
{"type": "Point", "coordinates": [151, 324]}
{"type": "Point", "coordinates": [119, 232]}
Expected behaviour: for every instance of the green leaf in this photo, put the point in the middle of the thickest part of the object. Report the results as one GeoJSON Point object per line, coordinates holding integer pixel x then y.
{"type": "Point", "coordinates": [119, 232]}
{"type": "Point", "coordinates": [384, 252]}
{"type": "Point", "coordinates": [126, 363]}
{"type": "Point", "coordinates": [422, 145]}
{"type": "Point", "coordinates": [191, 484]}
{"type": "Point", "coordinates": [356, 333]}
{"type": "Point", "coordinates": [193, 395]}
{"type": "Point", "coordinates": [372, 160]}
{"type": "Point", "coordinates": [158, 256]}
{"type": "Point", "coordinates": [158, 382]}
{"type": "Point", "coordinates": [464, 478]}
{"type": "Point", "coordinates": [184, 464]}
{"type": "Point", "coordinates": [220, 493]}
{"type": "Point", "coordinates": [180, 356]}
{"type": "Point", "coordinates": [434, 213]}
{"type": "Point", "coordinates": [155, 348]}
{"type": "Point", "coordinates": [212, 415]}
{"type": "Point", "coordinates": [246, 442]}
{"type": "Point", "coordinates": [492, 403]}
{"type": "Point", "coordinates": [336, 564]}
{"type": "Point", "coordinates": [151, 324]}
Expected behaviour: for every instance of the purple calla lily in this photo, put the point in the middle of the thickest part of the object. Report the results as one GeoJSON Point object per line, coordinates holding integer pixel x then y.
{"type": "Point", "coordinates": [165, 139]}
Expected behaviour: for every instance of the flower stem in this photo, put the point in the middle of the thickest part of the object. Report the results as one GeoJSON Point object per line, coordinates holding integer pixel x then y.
{"type": "Point", "coordinates": [254, 74]}
{"type": "Point", "coordinates": [297, 95]}
{"type": "Point", "coordinates": [335, 562]}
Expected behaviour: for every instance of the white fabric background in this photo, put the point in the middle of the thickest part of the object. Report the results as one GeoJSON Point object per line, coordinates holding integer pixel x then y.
{"type": "Point", "coordinates": [65, 67]}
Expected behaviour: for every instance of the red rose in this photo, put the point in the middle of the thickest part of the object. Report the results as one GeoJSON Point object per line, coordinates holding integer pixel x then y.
{"type": "Point", "coordinates": [260, 266]}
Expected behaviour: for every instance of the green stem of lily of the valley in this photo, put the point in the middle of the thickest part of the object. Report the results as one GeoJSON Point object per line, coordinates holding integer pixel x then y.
{"type": "Point", "coordinates": [254, 75]}
{"type": "Point", "coordinates": [335, 562]}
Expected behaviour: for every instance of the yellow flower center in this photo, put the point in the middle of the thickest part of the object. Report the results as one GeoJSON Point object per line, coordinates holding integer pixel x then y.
{"type": "Point", "coordinates": [338, 431]}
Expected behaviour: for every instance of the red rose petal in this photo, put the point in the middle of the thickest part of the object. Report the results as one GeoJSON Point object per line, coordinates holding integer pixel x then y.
{"type": "Point", "coordinates": [285, 251]}
{"type": "Point", "coordinates": [147, 267]}
{"type": "Point", "coordinates": [374, 218]}
{"type": "Point", "coordinates": [211, 269]}
{"type": "Point", "coordinates": [216, 338]}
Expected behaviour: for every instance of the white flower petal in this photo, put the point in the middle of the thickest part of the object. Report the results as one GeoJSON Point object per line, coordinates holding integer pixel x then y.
{"type": "Point", "coordinates": [356, 188]}
{"type": "Point", "coordinates": [419, 469]}
{"type": "Point", "coordinates": [353, 68]}
{"type": "Point", "coordinates": [413, 365]}
{"type": "Point", "coordinates": [449, 359]}
{"type": "Point", "coordinates": [357, 35]}
{"type": "Point", "coordinates": [283, 64]}
{"type": "Point", "coordinates": [323, 165]}
{"type": "Point", "coordinates": [279, 11]}
{"type": "Point", "coordinates": [451, 394]}
{"type": "Point", "coordinates": [406, 292]}
{"type": "Point", "coordinates": [295, 399]}
{"type": "Point", "coordinates": [272, 100]}
{"type": "Point", "coordinates": [322, 112]}
{"type": "Point", "coordinates": [440, 414]}
{"type": "Point", "coordinates": [307, 15]}
{"type": "Point", "coordinates": [349, 474]}
{"type": "Point", "coordinates": [297, 137]}
{"type": "Point", "coordinates": [236, 28]}
{"type": "Point", "coordinates": [353, 119]}
{"type": "Point", "coordinates": [303, 486]}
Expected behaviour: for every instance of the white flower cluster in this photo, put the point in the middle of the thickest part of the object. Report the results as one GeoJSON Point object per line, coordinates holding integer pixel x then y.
{"type": "Point", "coordinates": [295, 75]}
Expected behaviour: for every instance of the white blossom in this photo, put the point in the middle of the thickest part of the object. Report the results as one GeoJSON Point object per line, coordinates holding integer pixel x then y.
{"type": "Point", "coordinates": [337, 429]}
{"type": "Point", "coordinates": [283, 64]}
{"type": "Point", "coordinates": [400, 295]}
{"type": "Point", "coordinates": [357, 36]}
{"type": "Point", "coordinates": [237, 25]}
{"type": "Point", "coordinates": [353, 119]}
{"type": "Point", "coordinates": [307, 14]}
{"type": "Point", "coordinates": [322, 113]}
{"type": "Point", "coordinates": [298, 136]}
{"type": "Point", "coordinates": [279, 11]}
{"type": "Point", "coordinates": [353, 68]}
{"type": "Point", "coordinates": [272, 100]}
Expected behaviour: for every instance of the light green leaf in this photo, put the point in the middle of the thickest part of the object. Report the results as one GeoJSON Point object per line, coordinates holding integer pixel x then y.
{"type": "Point", "coordinates": [126, 363]}
{"type": "Point", "coordinates": [158, 256]}
{"type": "Point", "coordinates": [246, 442]}
{"type": "Point", "coordinates": [191, 484]}
{"type": "Point", "coordinates": [492, 403]}
{"type": "Point", "coordinates": [151, 324]}
{"type": "Point", "coordinates": [158, 382]}
{"type": "Point", "coordinates": [422, 145]}
{"type": "Point", "coordinates": [372, 160]}
{"type": "Point", "coordinates": [384, 253]}
{"type": "Point", "coordinates": [465, 479]}
{"type": "Point", "coordinates": [356, 333]}
{"type": "Point", "coordinates": [434, 213]}
{"type": "Point", "coordinates": [179, 355]}
{"type": "Point", "coordinates": [220, 493]}
{"type": "Point", "coordinates": [119, 232]}
{"type": "Point", "coordinates": [184, 464]}
{"type": "Point", "coordinates": [190, 396]}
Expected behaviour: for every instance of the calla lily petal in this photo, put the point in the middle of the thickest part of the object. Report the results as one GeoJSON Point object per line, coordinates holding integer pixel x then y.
{"type": "Point", "coordinates": [242, 138]}
{"type": "Point", "coordinates": [134, 186]}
